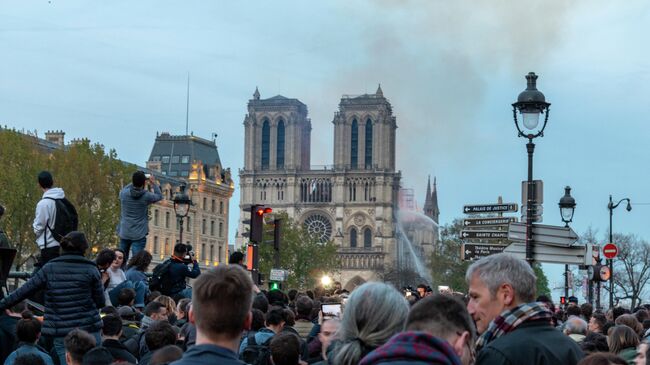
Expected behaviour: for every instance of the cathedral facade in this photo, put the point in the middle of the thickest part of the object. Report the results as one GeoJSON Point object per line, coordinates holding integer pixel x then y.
{"type": "Point", "coordinates": [352, 202]}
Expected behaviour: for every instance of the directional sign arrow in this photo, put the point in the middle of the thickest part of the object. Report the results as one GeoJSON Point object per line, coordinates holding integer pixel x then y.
{"type": "Point", "coordinates": [543, 234]}
{"type": "Point", "coordinates": [497, 221]}
{"type": "Point", "coordinates": [487, 235]}
{"type": "Point", "coordinates": [473, 251]}
{"type": "Point", "coordinates": [573, 255]}
{"type": "Point", "coordinates": [490, 208]}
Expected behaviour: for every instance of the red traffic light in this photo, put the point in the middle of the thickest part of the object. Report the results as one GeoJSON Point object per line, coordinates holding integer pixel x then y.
{"type": "Point", "coordinates": [262, 211]}
{"type": "Point", "coordinates": [562, 300]}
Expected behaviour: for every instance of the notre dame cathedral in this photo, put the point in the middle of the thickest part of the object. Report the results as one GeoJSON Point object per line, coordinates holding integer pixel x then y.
{"type": "Point", "coordinates": [353, 202]}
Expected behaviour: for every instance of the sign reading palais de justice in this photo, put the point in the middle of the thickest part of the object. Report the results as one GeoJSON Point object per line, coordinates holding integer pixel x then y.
{"type": "Point", "coordinates": [490, 208]}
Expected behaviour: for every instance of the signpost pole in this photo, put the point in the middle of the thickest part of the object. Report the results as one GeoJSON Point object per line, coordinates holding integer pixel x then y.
{"type": "Point", "coordinates": [530, 148]}
{"type": "Point", "coordinates": [611, 261]}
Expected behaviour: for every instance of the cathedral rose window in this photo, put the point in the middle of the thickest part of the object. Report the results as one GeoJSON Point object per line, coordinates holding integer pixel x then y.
{"type": "Point", "coordinates": [319, 227]}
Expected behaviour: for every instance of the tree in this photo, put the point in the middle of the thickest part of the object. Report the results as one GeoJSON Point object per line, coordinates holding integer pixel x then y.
{"type": "Point", "coordinates": [631, 268]}
{"type": "Point", "coordinates": [301, 254]}
{"type": "Point", "coordinates": [542, 281]}
{"type": "Point", "coordinates": [447, 268]}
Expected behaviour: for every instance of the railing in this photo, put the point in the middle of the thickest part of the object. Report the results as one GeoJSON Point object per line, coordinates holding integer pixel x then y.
{"type": "Point", "coordinates": [360, 250]}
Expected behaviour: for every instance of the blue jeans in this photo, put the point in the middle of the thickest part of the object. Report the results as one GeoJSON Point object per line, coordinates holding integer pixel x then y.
{"type": "Point", "coordinates": [135, 245]}
{"type": "Point", "coordinates": [140, 292]}
{"type": "Point", "coordinates": [59, 347]}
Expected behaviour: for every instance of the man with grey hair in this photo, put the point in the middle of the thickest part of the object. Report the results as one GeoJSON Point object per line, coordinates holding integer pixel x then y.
{"type": "Point", "coordinates": [514, 329]}
{"type": "Point", "coordinates": [576, 328]}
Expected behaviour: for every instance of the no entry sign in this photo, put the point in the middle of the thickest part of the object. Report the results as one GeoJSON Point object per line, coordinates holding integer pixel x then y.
{"type": "Point", "coordinates": [610, 250]}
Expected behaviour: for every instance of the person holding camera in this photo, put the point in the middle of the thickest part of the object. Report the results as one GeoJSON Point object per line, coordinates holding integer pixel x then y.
{"type": "Point", "coordinates": [183, 265]}
{"type": "Point", "coordinates": [134, 222]}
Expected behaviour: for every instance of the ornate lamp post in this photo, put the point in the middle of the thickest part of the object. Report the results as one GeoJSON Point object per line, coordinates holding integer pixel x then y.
{"type": "Point", "coordinates": [182, 203]}
{"type": "Point", "coordinates": [611, 206]}
{"type": "Point", "coordinates": [567, 208]}
{"type": "Point", "coordinates": [530, 104]}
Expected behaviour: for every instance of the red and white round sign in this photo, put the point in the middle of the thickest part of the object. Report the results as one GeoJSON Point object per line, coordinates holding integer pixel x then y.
{"type": "Point", "coordinates": [610, 250]}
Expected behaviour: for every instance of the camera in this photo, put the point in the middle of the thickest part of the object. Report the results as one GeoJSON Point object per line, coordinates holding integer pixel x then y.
{"type": "Point", "coordinates": [148, 176]}
{"type": "Point", "coordinates": [189, 255]}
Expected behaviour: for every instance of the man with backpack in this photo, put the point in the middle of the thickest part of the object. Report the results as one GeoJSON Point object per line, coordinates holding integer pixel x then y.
{"type": "Point", "coordinates": [55, 217]}
{"type": "Point", "coordinates": [134, 222]}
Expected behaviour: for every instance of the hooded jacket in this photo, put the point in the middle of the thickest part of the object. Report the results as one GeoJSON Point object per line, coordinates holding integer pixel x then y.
{"type": "Point", "coordinates": [412, 347]}
{"type": "Point", "coordinates": [45, 216]}
{"type": "Point", "coordinates": [134, 223]}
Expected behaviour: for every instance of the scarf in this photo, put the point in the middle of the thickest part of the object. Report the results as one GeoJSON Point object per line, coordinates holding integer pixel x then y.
{"type": "Point", "coordinates": [509, 320]}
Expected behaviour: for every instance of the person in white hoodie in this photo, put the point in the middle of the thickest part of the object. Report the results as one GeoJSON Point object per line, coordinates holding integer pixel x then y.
{"type": "Point", "coordinates": [45, 216]}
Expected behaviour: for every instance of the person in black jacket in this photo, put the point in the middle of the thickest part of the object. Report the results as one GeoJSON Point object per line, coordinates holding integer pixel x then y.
{"type": "Point", "coordinates": [514, 328]}
{"type": "Point", "coordinates": [111, 333]}
{"type": "Point", "coordinates": [73, 293]}
{"type": "Point", "coordinates": [179, 270]}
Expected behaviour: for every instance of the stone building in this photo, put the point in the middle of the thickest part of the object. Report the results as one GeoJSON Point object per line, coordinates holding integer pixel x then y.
{"type": "Point", "coordinates": [194, 161]}
{"type": "Point", "coordinates": [353, 201]}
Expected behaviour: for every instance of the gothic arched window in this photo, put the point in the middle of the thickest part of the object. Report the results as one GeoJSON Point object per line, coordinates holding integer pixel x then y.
{"type": "Point", "coordinates": [353, 237]}
{"type": "Point", "coordinates": [367, 238]}
{"type": "Point", "coordinates": [266, 144]}
{"type": "Point", "coordinates": [368, 152]}
{"type": "Point", "coordinates": [354, 143]}
{"type": "Point", "coordinates": [280, 146]}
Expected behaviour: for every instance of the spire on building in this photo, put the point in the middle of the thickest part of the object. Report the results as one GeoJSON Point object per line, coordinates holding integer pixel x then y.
{"type": "Point", "coordinates": [256, 95]}
{"type": "Point", "coordinates": [431, 201]}
{"type": "Point", "coordinates": [434, 200]}
{"type": "Point", "coordinates": [379, 91]}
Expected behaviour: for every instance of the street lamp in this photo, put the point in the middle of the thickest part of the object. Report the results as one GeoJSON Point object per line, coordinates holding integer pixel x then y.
{"type": "Point", "coordinates": [182, 203]}
{"type": "Point", "coordinates": [530, 104]}
{"type": "Point", "coordinates": [567, 208]}
{"type": "Point", "coordinates": [611, 206]}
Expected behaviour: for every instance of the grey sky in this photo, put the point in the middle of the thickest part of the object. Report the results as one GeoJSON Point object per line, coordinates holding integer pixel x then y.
{"type": "Point", "coordinates": [115, 72]}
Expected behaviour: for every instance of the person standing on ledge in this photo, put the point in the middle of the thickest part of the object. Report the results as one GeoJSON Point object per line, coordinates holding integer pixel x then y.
{"type": "Point", "coordinates": [134, 223]}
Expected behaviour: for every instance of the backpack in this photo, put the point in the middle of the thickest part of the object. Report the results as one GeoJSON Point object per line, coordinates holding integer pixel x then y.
{"type": "Point", "coordinates": [66, 220]}
{"type": "Point", "coordinates": [255, 354]}
{"type": "Point", "coordinates": [160, 278]}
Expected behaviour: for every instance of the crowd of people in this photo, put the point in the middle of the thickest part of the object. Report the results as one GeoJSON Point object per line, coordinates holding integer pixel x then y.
{"type": "Point", "coordinates": [109, 311]}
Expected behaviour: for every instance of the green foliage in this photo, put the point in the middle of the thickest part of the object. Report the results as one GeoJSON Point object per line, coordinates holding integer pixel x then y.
{"type": "Point", "coordinates": [447, 268]}
{"type": "Point", "coordinates": [305, 259]}
{"type": "Point", "coordinates": [90, 177]}
{"type": "Point", "coordinates": [542, 281]}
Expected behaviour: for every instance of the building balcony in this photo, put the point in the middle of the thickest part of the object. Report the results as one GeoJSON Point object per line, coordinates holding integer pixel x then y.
{"type": "Point", "coordinates": [361, 258]}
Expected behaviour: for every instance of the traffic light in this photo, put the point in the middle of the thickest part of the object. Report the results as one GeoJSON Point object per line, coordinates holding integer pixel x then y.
{"type": "Point", "coordinates": [257, 222]}
{"type": "Point", "coordinates": [563, 300]}
{"type": "Point", "coordinates": [274, 285]}
{"type": "Point", "coordinates": [601, 273]}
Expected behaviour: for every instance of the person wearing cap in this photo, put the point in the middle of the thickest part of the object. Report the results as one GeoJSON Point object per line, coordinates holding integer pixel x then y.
{"type": "Point", "coordinates": [573, 301]}
{"type": "Point", "coordinates": [73, 293]}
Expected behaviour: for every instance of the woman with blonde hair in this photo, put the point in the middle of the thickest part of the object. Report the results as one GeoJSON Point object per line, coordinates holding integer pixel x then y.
{"type": "Point", "coordinates": [170, 304]}
{"type": "Point", "coordinates": [623, 341]}
{"type": "Point", "coordinates": [373, 313]}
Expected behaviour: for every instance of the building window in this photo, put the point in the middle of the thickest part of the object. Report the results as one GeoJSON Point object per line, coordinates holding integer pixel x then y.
{"type": "Point", "coordinates": [367, 238]}
{"type": "Point", "coordinates": [205, 204]}
{"type": "Point", "coordinates": [220, 207]}
{"type": "Point", "coordinates": [219, 258]}
{"type": "Point", "coordinates": [354, 145]}
{"type": "Point", "coordinates": [173, 173]}
{"type": "Point", "coordinates": [166, 252]}
{"type": "Point", "coordinates": [368, 152]}
{"type": "Point", "coordinates": [155, 158]}
{"type": "Point", "coordinates": [203, 226]}
{"type": "Point", "coordinates": [211, 228]}
{"type": "Point", "coordinates": [176, 159]}
{"type": "Point", "coordinates": [220, 229]}
{"type": "Point", "coordinates": [212, 206]}
{"type": "Point", "coordinates": [166, 219]}
{"type": "Point", "coordinates": [156, 216]}
{"type": "Point", "coordinates": [185, 173]}
{"type": "Point", "coordinates": [280, 146]}
{"type": "Point", "coordinates": [266, 144]}
{"type": "Point", "coordinates": [203, 250]}
{"type": "Point", "coordinates": [211, 252]}
{"type": "Point", "coordinates": [188, 223]}
{"type": "Point", "coordinates": [155, 245]}
{"type": "Point", "coordinates": [165, 159]}
{"type": "Point", "coordinates": [353, 237]}
{"type": "Point", "coordinates": [185, 159]}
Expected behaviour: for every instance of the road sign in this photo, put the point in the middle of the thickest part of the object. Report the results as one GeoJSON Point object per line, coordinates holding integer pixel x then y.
{"type": "Point", "coordinates": [475, 251]}
{"type": "Point", "coordinates": [278, 275]}
{"type": "Point", "coordinates": [497, 221]}
{"type": "Point", "coordinates": [538, 192]}
{"type": "Point", "coordinates": [486, 235]}
{"type": "Point", "coordinates": [610, 250]}
{"type": "Point", "coordinates": [543, 234]}
{"type": "Point", "coordinates": [573, 255]}
{"type": "Point", "coordinates": [490, 208]}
